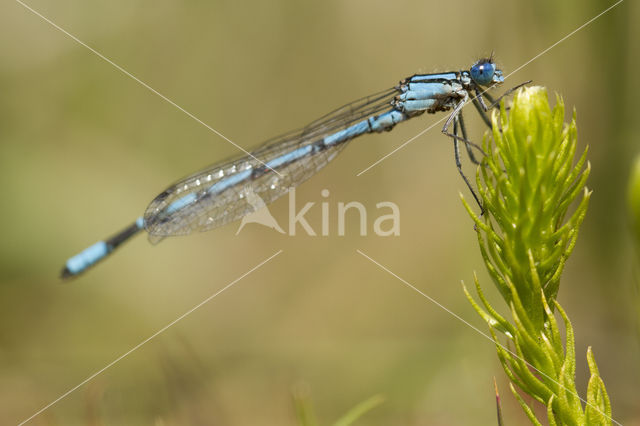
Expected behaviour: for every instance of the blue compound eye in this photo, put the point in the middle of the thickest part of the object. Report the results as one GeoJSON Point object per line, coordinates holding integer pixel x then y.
{"type": "Point", "coordinates": [482, 72]}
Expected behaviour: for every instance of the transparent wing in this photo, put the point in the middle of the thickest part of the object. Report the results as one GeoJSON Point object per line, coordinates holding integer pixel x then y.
{"type": "Point", "coordinates": [225, 192]}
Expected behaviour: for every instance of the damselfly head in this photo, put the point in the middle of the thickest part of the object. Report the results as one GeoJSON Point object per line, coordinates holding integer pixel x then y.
{"type": "Point", "coordinates": [485, 73]}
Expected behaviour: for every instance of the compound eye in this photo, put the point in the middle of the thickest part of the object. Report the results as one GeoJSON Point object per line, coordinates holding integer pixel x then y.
{"type": "Point", "coordinates": [482, 73]}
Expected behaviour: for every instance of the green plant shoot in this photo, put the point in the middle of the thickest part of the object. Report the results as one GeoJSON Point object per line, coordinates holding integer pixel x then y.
{"type": "Point", "coordinates": [528, 183]}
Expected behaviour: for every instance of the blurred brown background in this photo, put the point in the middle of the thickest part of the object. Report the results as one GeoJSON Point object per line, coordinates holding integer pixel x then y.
{"type": "Point", "coordinates": [83, 149]}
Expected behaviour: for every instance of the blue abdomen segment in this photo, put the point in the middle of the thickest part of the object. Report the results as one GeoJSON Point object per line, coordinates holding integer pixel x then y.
{"type": "Point", "coordinates": [86, 258]}
{"type": "Point", "coordinates": [386, 121]}
{"type": "Point", "coordinates": [100, 250]}
{"type": "Point", "coordinates": [380, 123]}
{"type": "Point", "coordinates": [348, 133]}
{"type": "Point", "coordinates": [290, 157]}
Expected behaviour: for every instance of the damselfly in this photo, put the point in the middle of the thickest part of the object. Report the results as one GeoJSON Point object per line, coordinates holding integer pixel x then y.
{"type": "Point", "coordinates": [215, 195]}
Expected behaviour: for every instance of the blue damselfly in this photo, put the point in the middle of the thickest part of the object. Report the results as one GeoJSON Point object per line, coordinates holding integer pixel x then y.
{"type": "Point", "coordinates": [213, 196]}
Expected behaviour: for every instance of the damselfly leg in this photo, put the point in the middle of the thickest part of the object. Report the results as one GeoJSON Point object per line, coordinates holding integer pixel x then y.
{"type": "Point", "coordinates": [457, 119]}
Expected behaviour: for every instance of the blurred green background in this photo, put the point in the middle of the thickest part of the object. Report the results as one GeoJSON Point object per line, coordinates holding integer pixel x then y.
{"type": "Point", "coordinates": [83, 149]}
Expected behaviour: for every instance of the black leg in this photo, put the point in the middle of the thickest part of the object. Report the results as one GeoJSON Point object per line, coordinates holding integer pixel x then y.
{"type": "Point", "coordinates": [507, 93]}
{"type": "Point", "coordinates": [480, 99]}
{"type": "Point", "coordinates": [481, 112]}
{"type": "Point", "coordinates": [492, 102]}
{"type": "Point", "coordinates": [479, 104]}
{"type": "Point", "coordinates": [460, 120]}
{"type": "Point", "coordinates": [453, 118]}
